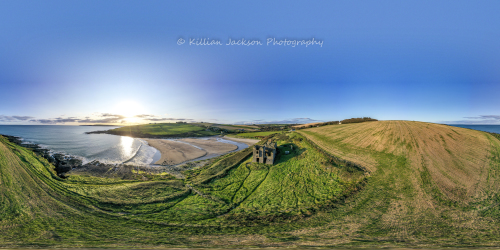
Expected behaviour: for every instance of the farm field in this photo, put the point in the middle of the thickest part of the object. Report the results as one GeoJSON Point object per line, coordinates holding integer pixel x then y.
{"type": "Point", "coordinates": [254, 135]}
{"type": "Point", "coordinates": [305, 125]}
{"type": "Point", "coordinates": [234, 128]}
{"type": "Point", "coordinates": [428, 182]}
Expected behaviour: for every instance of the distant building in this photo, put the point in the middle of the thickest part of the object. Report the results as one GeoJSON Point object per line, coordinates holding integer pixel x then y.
{"type": "Point", "coordinates": [340, 122]}
{"type": "Point", "coordinates": [265, 153]}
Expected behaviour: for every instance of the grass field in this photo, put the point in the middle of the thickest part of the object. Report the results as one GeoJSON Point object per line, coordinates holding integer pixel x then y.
{"type": "Point", "coordinates": [428, 182]}
{"type": "Point", "coordinates": [37, 208]}
{"type": "Point", "coordinates": [235, 128]}
{"type": "Point", "coordinates": [426, 185]}
{"type": "Point", "coordinates": [305, 125]}
{"type": "Point", "coordinates": [254, 135]}
{"type": "Point", "coordinates": [163, 130]}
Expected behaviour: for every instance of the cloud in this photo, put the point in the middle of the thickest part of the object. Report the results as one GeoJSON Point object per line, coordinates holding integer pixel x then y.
{"type": "Point", "coordinates": [108, 115]}
{"type": "Point", "coordinates": [55, 120]}
{"type": "Point", "coordinates": [144, 116]}
{"type": "Point", "coordinates": [22, 118]}
{"type": "Point", "coordinates": [288, 121]}
{"type": "Point", "coordinates": [485, 117]}
{"type": "Point", "coordinates": [105, 118]}
{"type": "Point", "coordinates": [101, 118]}
{"type": "Point", "coordinates": [166, 119]}
{"type": "Point", "coordinates": [154, 118]}
{"type": "Point", "coordinates": [95, 118]}
{"type": "Point", "coordinates": [15, 118]}
{"type": "Point", "coordinates": [482, 119]}
{"type": "Point", "coordinates": [44, 121]}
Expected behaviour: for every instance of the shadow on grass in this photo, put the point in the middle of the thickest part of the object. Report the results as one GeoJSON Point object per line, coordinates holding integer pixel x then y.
{"type": "Point", "coordinates": [293, 151]}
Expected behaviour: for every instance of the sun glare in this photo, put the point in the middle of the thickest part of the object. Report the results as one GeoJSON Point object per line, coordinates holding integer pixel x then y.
{"type": "Point", "coordinates": [129, 109]}
{"type": "Point", "coordinates": [126, 145]}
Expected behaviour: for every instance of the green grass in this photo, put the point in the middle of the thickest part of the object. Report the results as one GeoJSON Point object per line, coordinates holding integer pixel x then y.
{"type": "Point", "coordinates": [234, 128]}
{"type": "Point", "coordinates": [302, 179]}
{"type": "Point", "coordinates": [305, 199]}
{"type": "Point", "coordinates": [40, 209]}
{"type": "Point", "coordinates": [254, 135]}
{"type": "Point", "coordinates": [163, 130]}
{"type": "Point", "coordinates": [406, 203]}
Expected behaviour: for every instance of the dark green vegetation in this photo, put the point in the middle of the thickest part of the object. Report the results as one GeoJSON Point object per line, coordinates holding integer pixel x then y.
{"type": "Point", "coordinates": [428, 185]}
{"type": "Point", "coordinates": [163, 130]}
{"type": "Point", "coordinates": [227, 201]}
{"type": "Point", "coordinates": [182, 129]}
{"type": "Point", "coordinates": [235, 128]}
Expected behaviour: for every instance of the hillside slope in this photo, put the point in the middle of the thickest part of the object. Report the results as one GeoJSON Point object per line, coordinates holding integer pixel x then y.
{"type": "Point", "coordinates": [225, 202]}
{"type": "Point", "coordinates": [429, 182]}
{"type": "Point", "coordinates": [428, 185]}
{"type": "Point", "coordinates": [161, 130]}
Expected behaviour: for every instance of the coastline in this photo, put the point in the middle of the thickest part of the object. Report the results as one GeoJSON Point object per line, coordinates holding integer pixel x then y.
{"type": "Point", "coordinates": [64, 162]}
{"type": "Point", "coordinates": [178, 151]}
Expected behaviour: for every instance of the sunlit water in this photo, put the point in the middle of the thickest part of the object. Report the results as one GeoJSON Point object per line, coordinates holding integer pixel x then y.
{"type": "Point", "coordinates": [72, 140]}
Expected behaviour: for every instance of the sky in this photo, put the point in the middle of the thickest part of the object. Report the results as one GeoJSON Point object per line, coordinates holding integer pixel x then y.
{"type": "Point", "coordinates": [124, 62]}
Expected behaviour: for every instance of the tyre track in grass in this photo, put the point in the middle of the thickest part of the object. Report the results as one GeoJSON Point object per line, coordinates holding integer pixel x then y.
{"type": "Point", "coordinates": [242, 183]}
{"type": "Point", "coordinates": [238, 204]}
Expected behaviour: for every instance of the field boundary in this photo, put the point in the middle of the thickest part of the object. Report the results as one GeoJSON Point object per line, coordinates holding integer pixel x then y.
{"type": "Point", "coordinates": [335, 159]}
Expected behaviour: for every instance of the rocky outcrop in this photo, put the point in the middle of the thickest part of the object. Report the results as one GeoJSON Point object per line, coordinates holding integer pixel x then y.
{"type": "Point", "coordinates": [62, 163]}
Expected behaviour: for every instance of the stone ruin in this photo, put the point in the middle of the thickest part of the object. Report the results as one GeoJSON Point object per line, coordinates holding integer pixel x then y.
{"type": "Point", "coordinates": [265, 153]}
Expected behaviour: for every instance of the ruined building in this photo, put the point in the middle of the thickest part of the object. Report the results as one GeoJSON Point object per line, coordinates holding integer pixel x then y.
{"type": "Point", "coordinates": [265, 153]}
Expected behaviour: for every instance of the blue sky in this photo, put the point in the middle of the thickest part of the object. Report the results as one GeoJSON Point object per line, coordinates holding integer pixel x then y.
{"type": "Point", "coordinates": [75, 62]}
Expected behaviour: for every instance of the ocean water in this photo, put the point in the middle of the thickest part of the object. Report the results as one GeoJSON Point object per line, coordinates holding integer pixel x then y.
{"type": "Point", "coordinates": [486, 128]}
{"type": "Point", "coordinates": [72, 140]}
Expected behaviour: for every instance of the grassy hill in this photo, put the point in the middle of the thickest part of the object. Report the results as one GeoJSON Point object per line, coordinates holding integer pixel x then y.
{"type": "Point", "coordinates": [428, 182]}
{"type": "Point", "coordinates": [222, 204]}
{"type": "Point", "coordinates": [163, 130]}
{"type": "Point", "coordinates": [426, 185]}
{"type": "Point", "coordinates": [236, 128]}
{"type": "Point", "coordinates": [254, 135]}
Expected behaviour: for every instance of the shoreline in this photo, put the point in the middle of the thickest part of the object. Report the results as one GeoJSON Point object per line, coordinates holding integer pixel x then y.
{"type": "Point", "coordinates": [64, 162]}
{"type": "Point", "coordinates": [179, 151]}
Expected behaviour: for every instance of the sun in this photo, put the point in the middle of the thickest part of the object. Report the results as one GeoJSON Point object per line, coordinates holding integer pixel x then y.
{"type": "Point", "coordinates": [129, 109]}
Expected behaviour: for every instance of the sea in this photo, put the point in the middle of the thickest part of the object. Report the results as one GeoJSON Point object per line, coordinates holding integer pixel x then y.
{"type": "Point", "coordinates": [105, 148]}
{"type": "Point", "coordinates": [72, 140]}
{"type": "Point", "coordinates": [486, 128]}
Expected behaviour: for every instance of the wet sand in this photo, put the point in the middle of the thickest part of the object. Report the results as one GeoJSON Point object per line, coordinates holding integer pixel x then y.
{"type": "Point", "coordinates": [173, 152]}
{"type": "Point", "coordinates": [211, 146]}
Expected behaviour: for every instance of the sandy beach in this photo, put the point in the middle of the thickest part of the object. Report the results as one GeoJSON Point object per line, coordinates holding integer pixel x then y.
{"type": "Point", "coordinates": [174, 152]}
{"type": "Point", "coordinates": [211, 146]}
